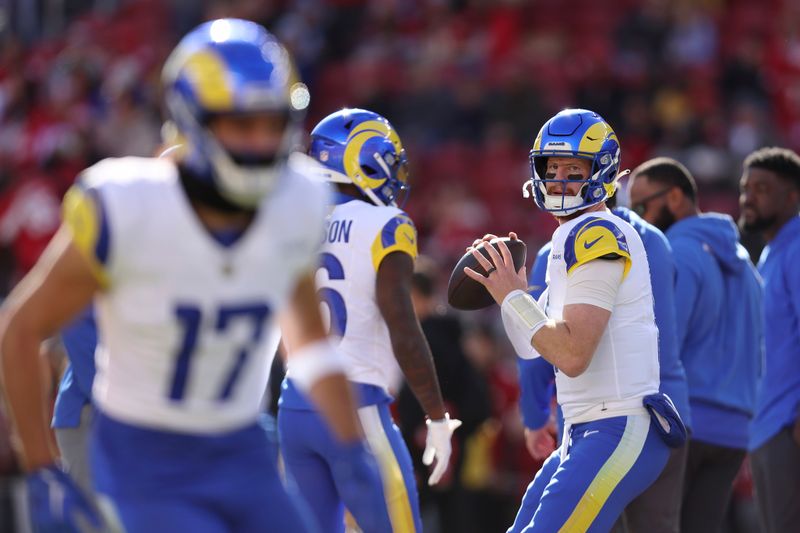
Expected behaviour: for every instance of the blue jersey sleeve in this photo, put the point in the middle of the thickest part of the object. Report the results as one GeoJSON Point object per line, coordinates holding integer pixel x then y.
{"type": "Point", "coordinates": [662, 277]}
{"type": "Point", "coordinates": [536, 376]}
{"type": "Point", "coordinates": [75, 390]}
{"type": "Point", "coordinates": [537, 386]}
{"type": "Point", "coordinates": [80, 340]}
{"type": "Point", "coordinates": [537, 278]}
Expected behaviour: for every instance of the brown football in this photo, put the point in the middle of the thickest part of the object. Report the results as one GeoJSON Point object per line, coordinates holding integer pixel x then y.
{"type": "Point", "coordinates": [467, 294]}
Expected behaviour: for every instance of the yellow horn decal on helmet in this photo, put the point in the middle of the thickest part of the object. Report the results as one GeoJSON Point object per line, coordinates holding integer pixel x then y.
{"type": "Point", "coordinates": [537, 144]}
{"type": "Point", "coordinates": [209, 79]}
{"type": "Point", "coordinates": [594, 137]}
{"type": "Point", "coordinates": [355, 141]}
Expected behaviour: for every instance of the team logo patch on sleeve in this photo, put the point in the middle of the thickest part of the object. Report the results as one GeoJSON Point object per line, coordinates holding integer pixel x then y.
{"type": "Point", "coordinates": [83, 215]}
{"type": "Point", "coordinates": [593, 239]}
{"type": "Point", "coordinates": [397, 235]}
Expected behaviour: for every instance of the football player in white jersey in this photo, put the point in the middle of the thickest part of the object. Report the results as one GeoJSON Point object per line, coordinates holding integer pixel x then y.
{"type": "Point", "coordinates": [365, 276]}
{"type": "Point", "coordinates": [188, 259]}
{"type": "Point", "coordinates": [595, 323]}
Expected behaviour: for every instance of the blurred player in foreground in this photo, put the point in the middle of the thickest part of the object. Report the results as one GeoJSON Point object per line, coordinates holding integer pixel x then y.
{"type": "Point", "coordinates": [189, 264]}
{"type": "Point", "coordinates": [365, 279]}
{"type": "Point", "coordinates": [595, 324]}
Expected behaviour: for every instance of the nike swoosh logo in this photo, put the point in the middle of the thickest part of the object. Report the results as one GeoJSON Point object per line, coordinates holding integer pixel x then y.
{"type": "Point", "coordinates": [589, 244]}
{"type": "Point", "coordinates": [409, 239]}
{"type": "Point", "coordinates": [587, 433]}
{"type": "Point", "coordinates": [590, 138]}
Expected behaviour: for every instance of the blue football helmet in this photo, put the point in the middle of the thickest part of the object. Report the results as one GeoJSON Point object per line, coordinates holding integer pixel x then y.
{"type": "Point", "coordinates": [362, 148]}
{"type": "Point", "coordinates": [574, 133]}
{"type": "Point", "coordinates": [225, 67]}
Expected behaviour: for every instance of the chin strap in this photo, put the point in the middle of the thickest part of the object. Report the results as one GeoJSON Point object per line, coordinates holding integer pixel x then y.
{"type": "Point", "coordinates": [527, 189]}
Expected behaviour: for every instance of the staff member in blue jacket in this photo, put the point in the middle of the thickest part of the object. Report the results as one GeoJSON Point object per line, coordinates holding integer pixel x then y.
{"type": "Point", "coordinates": [720, 333]}
{"type": "Point", "coordinates": [657, 509]}
{"type": "Point", "coordinates": [770, 200]}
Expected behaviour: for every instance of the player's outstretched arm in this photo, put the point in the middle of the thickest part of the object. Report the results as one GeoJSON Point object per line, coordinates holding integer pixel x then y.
{"type": "Point", "coordinates": [313, 363]}
{"type": "Point", "coordinates": [60, 286]}
{"type": "Point", "coordinates": [393, 294]}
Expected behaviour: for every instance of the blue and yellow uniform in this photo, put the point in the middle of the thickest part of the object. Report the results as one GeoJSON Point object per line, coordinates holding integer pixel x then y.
{"type": "Point", "coordinates": [185, 351]}
{"type": "Point", "coordinates": [536, 375]}
{"type": "Point", "coordinates": [359, 236]}
{"type": "Point", "coordinates": [611, 451]}
{"type": "Point", "coordinates": [185, 311]}
{"type": "Point", "coordinates": [75, 390]}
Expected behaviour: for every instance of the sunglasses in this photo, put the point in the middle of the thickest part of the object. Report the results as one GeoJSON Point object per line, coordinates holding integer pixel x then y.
{"type": "Point", "coordinates": [640, 207]}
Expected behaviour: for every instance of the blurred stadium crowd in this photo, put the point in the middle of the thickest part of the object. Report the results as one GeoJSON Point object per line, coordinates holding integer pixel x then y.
{"type": "Point", "coordinates": [467, 83]}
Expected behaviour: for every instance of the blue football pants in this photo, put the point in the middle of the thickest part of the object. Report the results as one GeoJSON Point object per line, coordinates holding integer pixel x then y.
{"type": "Point", "coordinates": [152, 482]}
{"type": "Point", "coordinates": [312, 458]}
{"type": "Point", "coordinates": [609, 462]}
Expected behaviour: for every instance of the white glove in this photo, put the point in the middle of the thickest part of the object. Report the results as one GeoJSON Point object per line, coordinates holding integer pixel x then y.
{"type": "Point", "coordinates": [437, 444]}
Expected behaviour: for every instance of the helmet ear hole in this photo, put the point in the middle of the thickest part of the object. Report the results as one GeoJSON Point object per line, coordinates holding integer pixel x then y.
{"type": "Point", "coordinates": [369, 171]}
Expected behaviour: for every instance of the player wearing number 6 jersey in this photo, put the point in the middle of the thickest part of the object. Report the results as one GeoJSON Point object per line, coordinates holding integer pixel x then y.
{"type": "Point", "coordinates": [367, 264]}
{"type": "Point", "coordinates": [189, 260]}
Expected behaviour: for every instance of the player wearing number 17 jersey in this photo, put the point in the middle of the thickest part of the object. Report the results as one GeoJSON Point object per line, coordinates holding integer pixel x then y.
{"type": "Point", "coordinates": [367, 265]}
{"type": "Point", "coordinates": [189, 261]}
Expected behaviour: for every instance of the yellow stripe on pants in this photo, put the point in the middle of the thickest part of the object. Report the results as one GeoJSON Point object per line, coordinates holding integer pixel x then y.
{"type": "Point", "coordinates": [610, 474]}
{"type": "Point", "coordinates": [394, 486]}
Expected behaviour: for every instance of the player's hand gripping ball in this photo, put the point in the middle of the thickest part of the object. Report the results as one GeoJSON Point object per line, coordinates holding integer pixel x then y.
{"type": "Point", "coordinates": [467, 294]}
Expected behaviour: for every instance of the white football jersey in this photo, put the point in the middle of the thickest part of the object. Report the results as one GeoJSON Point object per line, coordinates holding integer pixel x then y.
{"type": "Point", "coordinates": [358, 237]}
{"type": "Point", "coordinates": [185, 323]}
{"type": "Point", "coordinates": [625, 364]}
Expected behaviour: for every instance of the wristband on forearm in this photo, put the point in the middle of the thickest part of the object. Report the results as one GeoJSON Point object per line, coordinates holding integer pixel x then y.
{"type": "Point", "coordinates": [522, 318]}
{"type": "Point", "coordinates": [313, 362]}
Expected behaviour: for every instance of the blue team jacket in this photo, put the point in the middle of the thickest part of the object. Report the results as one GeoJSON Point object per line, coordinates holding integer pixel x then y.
{"type": "Point", "coordinates": [536, 375]}
{"type": "Point", "coordinates": [779, 392]}
{"type": "Point", "coordinates": [720, 333]}
{"type": "Point", "coordinates": [75, 389]}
